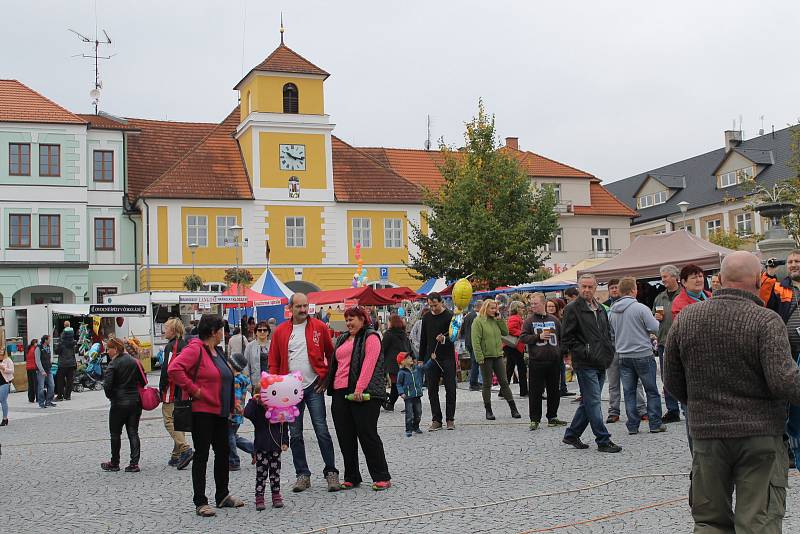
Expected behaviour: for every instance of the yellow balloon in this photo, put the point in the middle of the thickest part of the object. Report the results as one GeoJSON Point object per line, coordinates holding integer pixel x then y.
{"type": "Point", "coordinates": [462, 293]}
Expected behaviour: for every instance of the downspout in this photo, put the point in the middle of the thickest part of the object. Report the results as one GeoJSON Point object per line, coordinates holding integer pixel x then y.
{"type": "Point", "coordinates": [147, 242]}
{"type": "Point", "coordinates": [128, 210]}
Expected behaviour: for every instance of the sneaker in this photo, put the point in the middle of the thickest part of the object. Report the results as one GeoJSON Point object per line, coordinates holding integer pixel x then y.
{"type": "Point", "coordinates": [260, 506]}
{"type": "Point", "coordinates": [645, 417]}
{"type": "Point", "coordinates": [380, 486]}
{"type": "Point", "coordinates": [662, 428]}
{"type": "Point", "coordinates": [51, 404]}
{"type": "Point", "coordinates": [568, 394]}
{"type": "Point", "coordinates": [417, 431]}
{"type": "Point", "coordinates": [435, 425]}
{"type": "Point", "coordinates": [108, 466]}
{"type": "Point", "coordinates": [451, 425]}
{"type": "Point", "coordinates": [277, 500]}
{"type": "Point", "coordinates": [173, 462]}
{"type": "Point", "coordinates": [671, 417]}
{"type": "Point", "coordinates": [43, 406]}
{"type": "Point", "coordinates": [612, 419]}
{"type": "Point", "coordinates": [475, 388]}
{"type": "Point", "coordinates": [185, 459]}
{"type": "Point", "coordinates": [633, 432]}
{"type": "Point", "coordinates": [59, 398]}
{"type": "Point", "coordinates": [408, 434]}
{"type": "Point", "coordinates": [575, 442]}
{"type": "Point", "coordinates": [556, 422]}
{"type": "Point", "coordinates": [302, 483]}
{"type": "Point", "coordinates": [133, 468]}
{"type": "Point", "coordinates": [534, 425]}
{"type": "Point", "coordinates": [332, 479]}
{"type": "Point", "coordinates": [609, 447]}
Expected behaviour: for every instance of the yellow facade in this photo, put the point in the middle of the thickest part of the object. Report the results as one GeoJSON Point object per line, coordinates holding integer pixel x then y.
{"type": "Point", "coordinates": [163, 229]}
{"type": "Point", "coordinates": [378, 252]}
{"type": "Point", "coordinates": [211, 253]}
{"type": "Point", "coordinates": [265, 94]}
{"type": "Point", "coordinates": [313, 177]}
{"type": "Point", "coordinates": [246, 146]}
{"type": "Point", "coordinates": [311, 253]}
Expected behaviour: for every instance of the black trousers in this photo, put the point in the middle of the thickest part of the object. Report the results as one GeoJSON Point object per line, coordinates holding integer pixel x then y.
{"type": "Point", "coordinates": [357, 422]}
{"type": "Point", "coordinates": [446, 370]}
{"type": "Point", "coordinates": [393, 394]}
{"type": "Point", "coordinates": [126, 415]}
{"type": "Point", "coordinates": [544, 375]}
{"type": "Point", "coordinates": [64, 378]}
{"type": "Point", "coordinates": [209, 431]}
{"type": "Point", "coordinates": [515, 359]}
{"type": "Point", "coordinates": [32, 385]}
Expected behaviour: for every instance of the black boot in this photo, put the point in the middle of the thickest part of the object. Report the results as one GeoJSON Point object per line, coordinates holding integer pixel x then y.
{"type": "Point", "coordinates": [489, 414]}
{"type": "Point", "coordinates": [514, 412]}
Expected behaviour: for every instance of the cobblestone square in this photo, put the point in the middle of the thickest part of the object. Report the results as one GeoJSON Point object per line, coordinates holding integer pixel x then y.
{"type": "Point", "coordinates": [482, 477]}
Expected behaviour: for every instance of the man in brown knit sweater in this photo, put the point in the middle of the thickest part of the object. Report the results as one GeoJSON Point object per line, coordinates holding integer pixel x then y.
{"type": "Point", "coordinates": [729, 359]}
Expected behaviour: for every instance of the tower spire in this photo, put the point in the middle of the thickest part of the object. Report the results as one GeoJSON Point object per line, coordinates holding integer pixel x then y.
{"type": "Point", "coordinates": [282, 28]}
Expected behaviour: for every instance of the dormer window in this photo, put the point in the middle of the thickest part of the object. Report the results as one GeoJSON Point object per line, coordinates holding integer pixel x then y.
{"type": "Point", "coordinates": [653, 199]}
{"type": "Point", "coordinates": [290, 99]}
{"type": "Point", "coordinates": [734, 177]}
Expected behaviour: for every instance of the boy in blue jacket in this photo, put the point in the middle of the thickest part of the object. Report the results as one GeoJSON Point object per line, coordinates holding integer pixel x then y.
{"type": "Point", "coordinates": [409, 387]}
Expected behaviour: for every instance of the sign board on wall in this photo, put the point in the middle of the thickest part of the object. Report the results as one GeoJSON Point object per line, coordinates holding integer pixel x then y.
{"type": "Point", "coordinates": [384, 273]}
{"type": "Point", "coordinates": [116, 310]}
{"type": "Point", "coordinates": [212, 299]}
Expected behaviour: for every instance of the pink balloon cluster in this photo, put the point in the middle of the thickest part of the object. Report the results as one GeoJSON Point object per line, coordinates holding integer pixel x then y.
{"type": "Point", "coordinates": [360, 276]}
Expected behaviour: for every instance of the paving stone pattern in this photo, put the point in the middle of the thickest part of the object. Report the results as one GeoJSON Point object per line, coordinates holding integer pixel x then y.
{"type": "Point", "coordinates": [462, 480]}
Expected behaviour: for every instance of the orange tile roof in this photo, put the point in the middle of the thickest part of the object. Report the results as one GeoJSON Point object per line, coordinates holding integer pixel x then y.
{"type": "Point", "coordinates": [20, 103]}
{"type": "Point", "coordinates": [284, 59]}
{"type": "Point", "coordinates": [538, 165]}
{"type": "Point", "coordinates": [157, 147]}
{"type": "Point", "coordinates": [213, 169]}
{"type": "Point", "coordinates": [360, 177]}
{"type": "Point", "coordinates": [419, 166]}
{"type": "Point", "coordinates": [105, 122]}
{"type": "Point", "coordinates": [603, 203]}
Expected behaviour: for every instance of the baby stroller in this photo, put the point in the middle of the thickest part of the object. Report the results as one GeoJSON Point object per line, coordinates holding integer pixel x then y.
{"type": "Point", "coordinates": [90, 376]}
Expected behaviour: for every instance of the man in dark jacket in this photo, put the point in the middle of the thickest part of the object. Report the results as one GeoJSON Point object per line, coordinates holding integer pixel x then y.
{"type": "Point", "coordinates": [435, 338]}
{"type": "Point", "coordinates": [66, 363]}
{"type": "Point", "coordinates": [729, 359]}
{"type": "Point", "coordinates": [466, 335]}
{"type": "Point", "coordinates": [587, 336]}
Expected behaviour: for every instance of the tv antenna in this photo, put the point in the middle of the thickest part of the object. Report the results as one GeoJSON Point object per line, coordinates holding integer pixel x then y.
{"type": "Point", "coordinates": [428, 140]}
{"type": "Point", "coordinates": [97, 42]}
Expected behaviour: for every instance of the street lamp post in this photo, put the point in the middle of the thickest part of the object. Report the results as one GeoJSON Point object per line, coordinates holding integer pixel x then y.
{"type": "Point", "coordinates": [684, 206]}
{"type": "Point", "coordinates": [236, 232]}
{"type": "Point", "coordinates": [193, 248]}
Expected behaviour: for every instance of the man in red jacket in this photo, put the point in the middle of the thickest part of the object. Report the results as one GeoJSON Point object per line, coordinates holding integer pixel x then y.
{"type": "Point", "coordinates": [304, 344]}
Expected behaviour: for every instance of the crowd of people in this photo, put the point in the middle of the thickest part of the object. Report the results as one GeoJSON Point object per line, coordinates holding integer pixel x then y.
{"type": "Point", "coordinates": [727, 358]}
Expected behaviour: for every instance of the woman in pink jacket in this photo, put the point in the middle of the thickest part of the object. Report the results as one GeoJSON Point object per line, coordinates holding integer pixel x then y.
{"type": "Point", "coordinates": [514, 355]}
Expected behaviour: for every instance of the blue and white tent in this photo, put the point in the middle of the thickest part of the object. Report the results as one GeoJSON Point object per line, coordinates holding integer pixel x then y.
{"type": "Point", "coordinates": [267, 284]}
{"type": "Point", "coordinates": [431, 285]}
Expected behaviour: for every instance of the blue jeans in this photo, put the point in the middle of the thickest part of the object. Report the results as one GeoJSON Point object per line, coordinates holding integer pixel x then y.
{"type": "Point", "coordinates": [669, 400]}
{"type": "Point", "coordinates": [589, 412]}
{"type": "Point", "coordinates": [563, 385]}
{"type": "Point", "coordinates": [41, 397]}
{"type": "Point", "coordinates": [631, 371]}
{"type": "Point", "coordinates": [4, 389]}
{"type": "Point", "coordinates": [236, 441]}
{"type": "Point", "coordinates": [475, 379]}
{"type": "Point", "coordinates": [413, 413]}
{"type": "Point", "coordinates": [316, 409]}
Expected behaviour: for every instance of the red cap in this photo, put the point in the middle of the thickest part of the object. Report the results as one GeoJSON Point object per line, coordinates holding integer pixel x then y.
{"type": "Point", "coordinates": [400, 357]}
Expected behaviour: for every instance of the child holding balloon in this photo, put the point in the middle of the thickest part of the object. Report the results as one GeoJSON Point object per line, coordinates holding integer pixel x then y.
{"type": "Point", "coordinates": [270, 439]}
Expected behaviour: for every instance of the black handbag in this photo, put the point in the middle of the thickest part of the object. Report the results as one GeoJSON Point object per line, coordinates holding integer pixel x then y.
{"type": "Point", "coordinates": [182, 412]}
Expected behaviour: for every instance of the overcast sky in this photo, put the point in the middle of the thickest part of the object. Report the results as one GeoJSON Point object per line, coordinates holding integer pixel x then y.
{"type": "Point", "coordinates": [613, 88]}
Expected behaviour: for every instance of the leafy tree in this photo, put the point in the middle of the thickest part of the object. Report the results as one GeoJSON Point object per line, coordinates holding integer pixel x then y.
{"type": "Point", "coordinates": [486, 220]}
{"type": "Point", "coordinates": [239, 276]}
{"type": "Point", "coordinates": [192, 282]}
{"type": "Point", "coordinates": [730, 240]}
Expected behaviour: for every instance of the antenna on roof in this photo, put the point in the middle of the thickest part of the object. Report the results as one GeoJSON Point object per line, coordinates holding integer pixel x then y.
{"type": "Point", "coordinates": [282, 28]}
{"type": "Point", "coordinates": [761, 130]}
{"type": "Point", "coordinates": [428, 140]}
{"type": "Point", "coordinates": [95, 93]}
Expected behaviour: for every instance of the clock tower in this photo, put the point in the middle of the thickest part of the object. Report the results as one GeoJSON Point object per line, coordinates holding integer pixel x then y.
{"type": "Point", "coordinates": [284, 133]}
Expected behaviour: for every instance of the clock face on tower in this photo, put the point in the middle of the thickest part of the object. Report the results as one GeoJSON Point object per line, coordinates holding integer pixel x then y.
{"type": "Point", "coordinates": [292, 157]}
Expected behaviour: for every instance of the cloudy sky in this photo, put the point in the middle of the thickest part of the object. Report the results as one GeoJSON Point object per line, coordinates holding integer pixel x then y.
{"type": "Point", "coordinates": [614, 87]}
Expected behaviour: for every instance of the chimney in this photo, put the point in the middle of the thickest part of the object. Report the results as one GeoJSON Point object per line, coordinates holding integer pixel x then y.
{"type": "Point", "coordinates": [732, 139]}
{"type": "Point", "coordinates": [512, 142]}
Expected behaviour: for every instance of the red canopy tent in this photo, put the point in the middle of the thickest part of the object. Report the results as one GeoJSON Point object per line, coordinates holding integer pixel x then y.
{"type": "Point", "coordinates": [397, 294]}
{"type": "Point", "coordinates": [252, 296]}
{"type": "Point", "coordinates": [366, 296]}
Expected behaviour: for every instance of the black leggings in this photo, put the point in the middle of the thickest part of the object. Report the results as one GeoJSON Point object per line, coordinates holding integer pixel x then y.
{"type": "Point", "coordinates": [209, 431]}
{"type": "Point", "coordinates": [268, 465]}
{"type": "Point", "coordinates": [65, 377]}
{"type": "Point", "coordinates": [126, 415]}
{"type": "Point", "coordinates": [515, 359]}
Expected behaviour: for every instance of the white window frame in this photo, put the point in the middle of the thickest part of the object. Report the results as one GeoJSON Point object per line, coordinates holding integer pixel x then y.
{"type": "Point", "coordinates": [295, 233]}
{"type": "Point", "coordinates": [556, 189]}
{"type": "Point", "coordinates": [557, 244]}
{"type": "Point", "coordinates": [712, 226]}
{"type": "Point", "coordinates": [199, 228]}
{"type": "Point", "coordinates": [732, 178]}
{"type": "Point", "coordinates": [744, 223]}
{"type": "Point", "coordinates": [362, 231]}
{"type": "Point", "coordinates": [601, 235]}
{"type": "Point", "coordinates": [653, 199]}
{"type": "Point", "coordinates": [392, 233]}
{"type": "Point", "coordinates": [225, 238]}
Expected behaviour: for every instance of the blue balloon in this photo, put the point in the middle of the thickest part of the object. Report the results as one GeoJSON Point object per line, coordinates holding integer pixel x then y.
{"type": "Point", "coordinates": [401, 312]}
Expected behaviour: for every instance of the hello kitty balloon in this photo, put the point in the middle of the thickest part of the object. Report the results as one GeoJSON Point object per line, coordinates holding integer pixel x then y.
{"type": "Point", "coordinates": [280, 395]}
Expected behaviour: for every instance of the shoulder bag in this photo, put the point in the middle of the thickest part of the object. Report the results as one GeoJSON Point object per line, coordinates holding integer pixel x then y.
{"type": "Point", "coordinates": [149, 396]}
{"type": "Point", "coordinates": [182, 412]}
